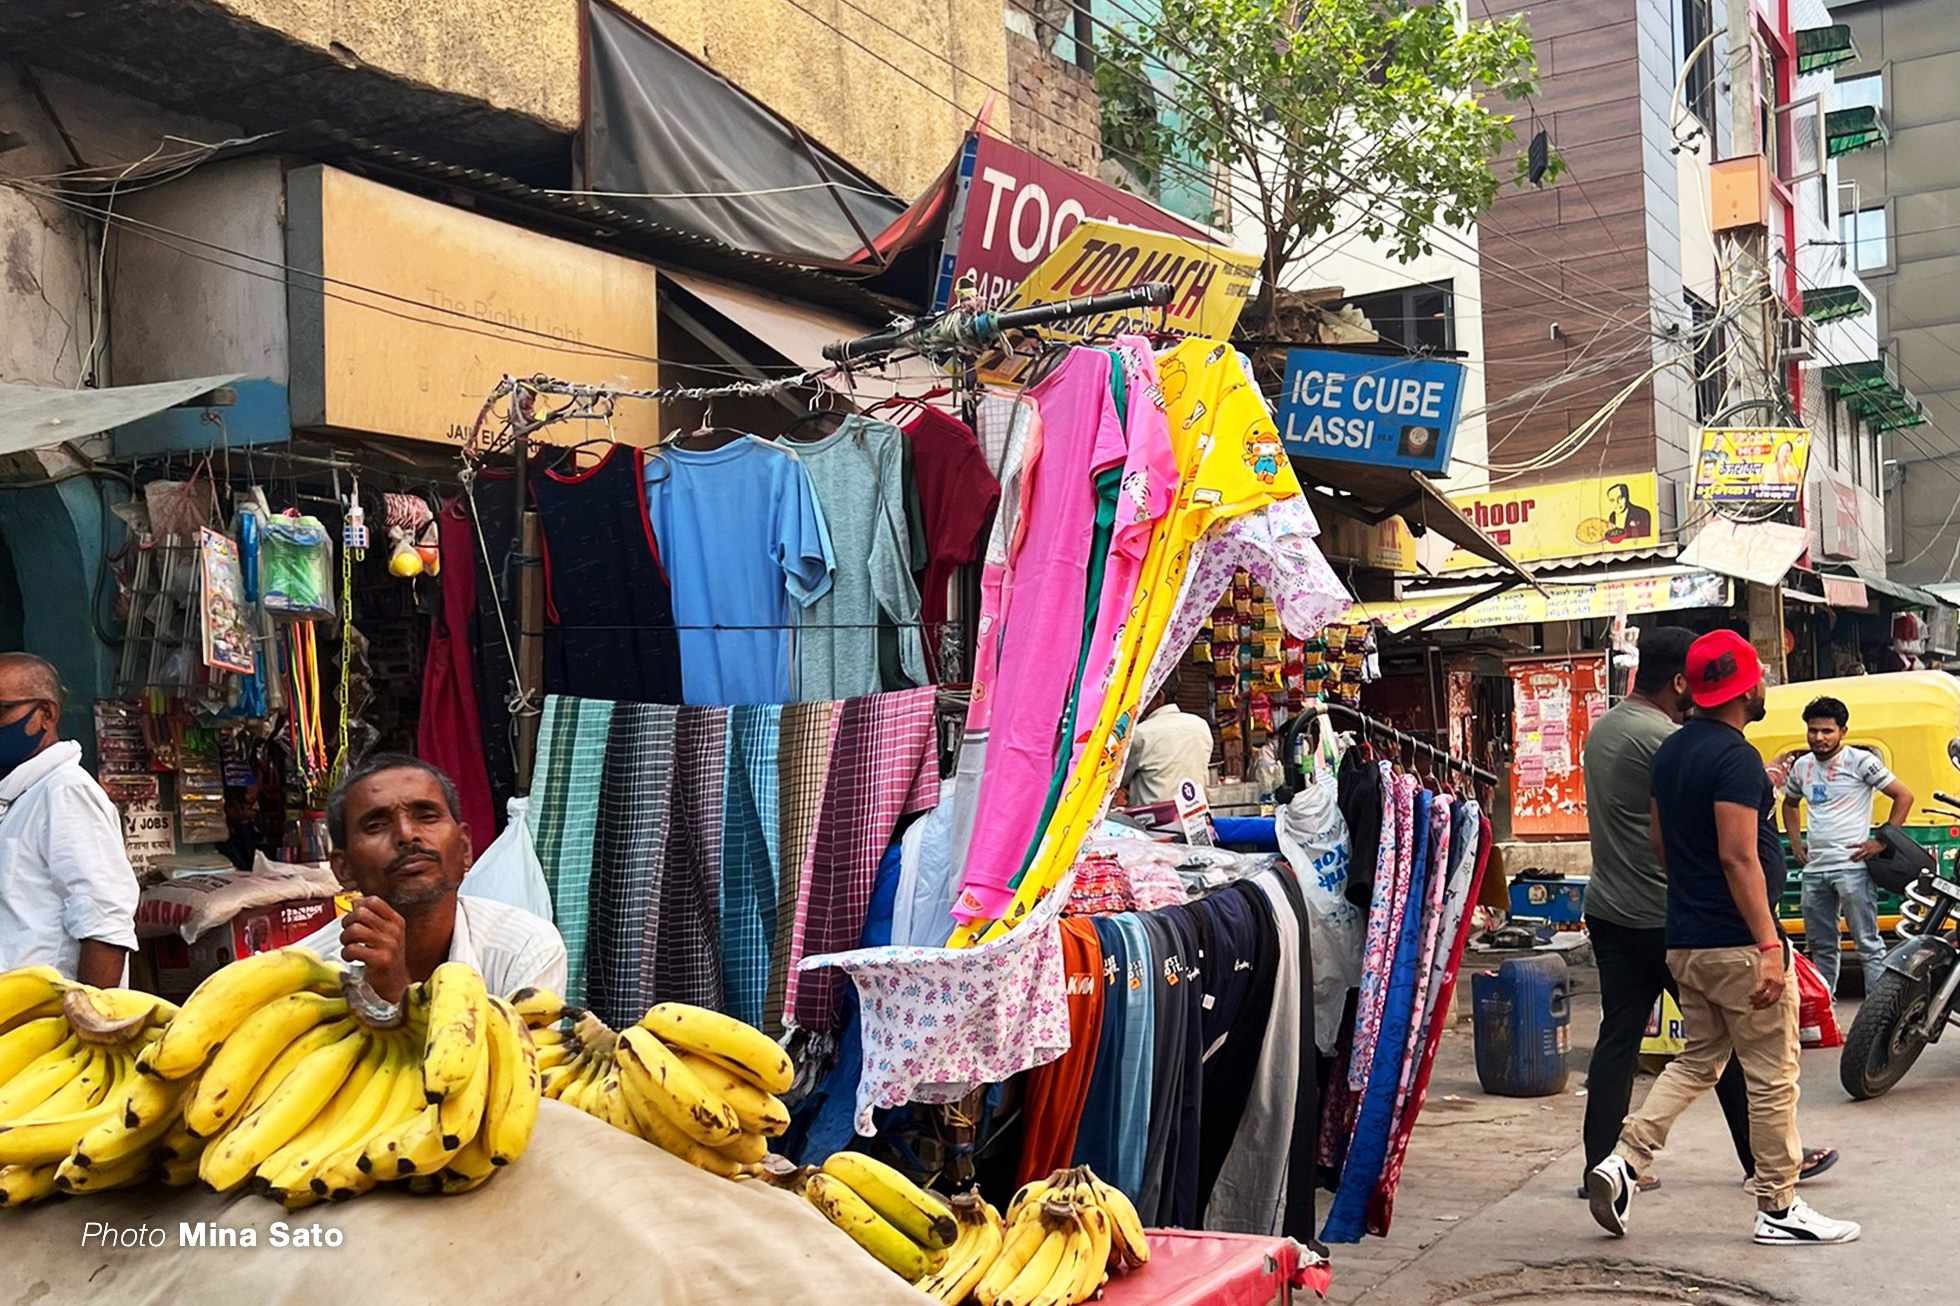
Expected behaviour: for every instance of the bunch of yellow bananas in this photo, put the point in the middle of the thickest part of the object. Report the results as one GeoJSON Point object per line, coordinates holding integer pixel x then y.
{"type": "Point", "coordinates": [691, 1081]}
{"type": "Point", "coordinates": [973, 1253]}
{"type": "Point", "coordinates": [909, 1230]}
{"type": "Point", "coordinates": [1063, 1235]}
{"type": "Point", "coordinates": [68, 1062]}
{"type": "Point", "coordinates": [268, 1076]}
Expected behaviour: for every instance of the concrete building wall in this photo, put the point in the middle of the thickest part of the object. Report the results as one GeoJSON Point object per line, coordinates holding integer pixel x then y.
{"type": "Point", "coordinates": [889, 86]}
{"type": "Point", "coordinates": [1915, 45]}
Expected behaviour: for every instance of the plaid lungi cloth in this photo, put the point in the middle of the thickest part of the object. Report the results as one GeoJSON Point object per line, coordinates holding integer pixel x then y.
{"type": "Point", "coordinates": [748, 858]}
{"type": "Point", "coordinates": [629, 850]}
{"type": "Point", "coordinates": [805, 737]}
{"type": "Point", "coordinates": [564, 814]}
{"type": "Point", "coordinates": [682, 957]}
{"type": "Point", "coordinates": [884, 763]}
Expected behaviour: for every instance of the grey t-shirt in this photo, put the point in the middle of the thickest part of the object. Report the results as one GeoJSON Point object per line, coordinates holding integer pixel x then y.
{"type": "Point", "coordinates": [1837, 799]}
{"type": "Point", "coordinates": [1628, 887]}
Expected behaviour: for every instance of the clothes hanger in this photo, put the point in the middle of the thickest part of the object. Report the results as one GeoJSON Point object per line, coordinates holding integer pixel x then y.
{"type": "Point", "coordinates": [900, 403]}
{"type": "Point", "coordinates": [707, 429]}
{"type": "Point", "coordinates": [811, 426]}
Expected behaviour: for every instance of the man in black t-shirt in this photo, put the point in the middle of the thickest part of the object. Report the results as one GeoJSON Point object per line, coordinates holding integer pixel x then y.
{"type": "Point", "coordinates": [1711, 830]}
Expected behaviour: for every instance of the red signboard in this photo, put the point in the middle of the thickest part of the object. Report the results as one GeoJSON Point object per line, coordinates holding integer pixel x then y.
{"type": "Point", "coordinates": [1013, 208]}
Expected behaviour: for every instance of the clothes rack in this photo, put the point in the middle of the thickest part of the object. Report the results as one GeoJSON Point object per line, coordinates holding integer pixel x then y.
{"type": "Point", "coordinates": [1377, 727]}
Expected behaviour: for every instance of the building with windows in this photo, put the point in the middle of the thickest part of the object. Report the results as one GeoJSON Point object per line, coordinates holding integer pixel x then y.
{"type": "Point", "coordinates": [1900, 229]}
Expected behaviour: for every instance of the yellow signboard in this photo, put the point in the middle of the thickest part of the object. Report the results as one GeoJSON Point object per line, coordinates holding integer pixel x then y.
{"type": "Point", "coordinates": [1209, 283]}
{"type": "Point", "coordinates": [1751, 464]}
{"type": "Point", "coordinates": [1569, 519]}
{"type": "Point", "coordinates": [406, 313]}
{"type": "Point", "coordinates": [1521, 607]}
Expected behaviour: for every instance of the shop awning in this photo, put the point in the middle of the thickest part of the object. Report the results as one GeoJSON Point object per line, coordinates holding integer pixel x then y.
{"type": "Point", "coordinates": [1845, 592]}
{"type": "Point", "coordinates": [40, 417]}
{"type": "Point", "coordinates": [1754, 551]}
{"type": "Point", "coordinates": [1372, 494]}
{"type": "Point", "coordinates": [1663, 589]}
{"type": "Point", "coordinates": [1908, 594]}
{"type": "Point", "coordinates": [798, 332]}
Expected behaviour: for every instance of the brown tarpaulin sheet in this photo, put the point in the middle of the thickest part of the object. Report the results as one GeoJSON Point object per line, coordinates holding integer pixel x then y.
{"type": "Point", "coordinates": [588, 1216]}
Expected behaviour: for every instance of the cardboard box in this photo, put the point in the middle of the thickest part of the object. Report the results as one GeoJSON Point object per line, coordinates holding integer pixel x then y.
{"type": "Point", "coordinates": [179, 967]}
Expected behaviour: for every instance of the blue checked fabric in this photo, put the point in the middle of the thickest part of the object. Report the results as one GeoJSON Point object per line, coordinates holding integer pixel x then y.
{"type": "Point", "coordinates": [629, 848]}
{"type": "Point", "coordinates": [748, 858]}
{"type": "Point", "coordinates": [571, 756]}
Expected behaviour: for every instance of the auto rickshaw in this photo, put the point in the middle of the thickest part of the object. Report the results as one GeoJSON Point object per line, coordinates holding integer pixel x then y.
{"type": "Point", "coordinates": [1911, 719]}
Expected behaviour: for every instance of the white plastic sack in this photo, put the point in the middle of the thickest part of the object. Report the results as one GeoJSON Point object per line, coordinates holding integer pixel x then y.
{"type": "Point", "coordinates": [195, 903]}
{"type": "Point", "coordinates": [1314, 838]}
{"type": "Point", "coordinates": [508, 871]}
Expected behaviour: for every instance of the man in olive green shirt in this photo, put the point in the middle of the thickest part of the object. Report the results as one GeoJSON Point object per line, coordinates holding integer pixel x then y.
{"type": "Point", "coordinates": [1626, 900]}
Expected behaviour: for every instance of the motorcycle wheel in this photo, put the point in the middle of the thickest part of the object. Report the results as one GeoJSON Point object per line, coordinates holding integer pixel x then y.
{"type": "Point", "coordinates": [1884, 1040]}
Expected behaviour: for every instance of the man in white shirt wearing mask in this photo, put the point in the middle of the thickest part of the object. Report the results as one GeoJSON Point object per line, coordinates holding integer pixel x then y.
{"type": "Point", "coordinates": [67, 893]}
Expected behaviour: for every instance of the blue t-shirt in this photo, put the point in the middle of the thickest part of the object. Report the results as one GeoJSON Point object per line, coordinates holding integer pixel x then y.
{"type": "Point", "coordinates": [1703, 763]}
{"type": "Point", "coordinates": [742, 537]}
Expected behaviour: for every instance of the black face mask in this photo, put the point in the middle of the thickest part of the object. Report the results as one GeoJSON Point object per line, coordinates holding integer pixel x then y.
{"type": "Point", "coordinates": [17, 745]}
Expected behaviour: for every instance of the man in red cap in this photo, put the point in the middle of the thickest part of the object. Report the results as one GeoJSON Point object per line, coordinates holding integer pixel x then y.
{"type": "Point", "coordinates": [1711, 829]}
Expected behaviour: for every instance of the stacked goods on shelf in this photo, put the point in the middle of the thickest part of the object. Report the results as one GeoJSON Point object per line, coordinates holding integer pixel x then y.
{"type": "Point", "coordinates": [691, 1081]}
{"type": "Point", "coordinates": [269, 1075]}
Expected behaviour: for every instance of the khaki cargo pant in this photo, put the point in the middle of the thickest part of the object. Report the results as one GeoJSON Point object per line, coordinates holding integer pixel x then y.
{"type": "Point", "coordinates": [1715, 987]}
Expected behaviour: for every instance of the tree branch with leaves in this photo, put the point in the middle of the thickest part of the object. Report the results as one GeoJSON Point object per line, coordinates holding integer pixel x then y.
{"type": "Point", "coordinates": [1385, 117]}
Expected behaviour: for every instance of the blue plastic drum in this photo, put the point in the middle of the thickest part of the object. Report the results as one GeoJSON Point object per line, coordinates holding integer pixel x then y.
{"type": "Point", "coordinates": [1523, 1025]}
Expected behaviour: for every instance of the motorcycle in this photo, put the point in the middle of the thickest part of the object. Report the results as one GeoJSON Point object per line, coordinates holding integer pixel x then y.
{"type": "Point", "coordinates": [1914, 1000]}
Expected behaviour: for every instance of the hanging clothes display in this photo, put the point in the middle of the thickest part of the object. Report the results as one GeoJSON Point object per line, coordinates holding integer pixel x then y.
{"type": "Point", "coordinates": [571, 768]}
{"type": "Point", "coordinates": [856, 475]}
{"type": "Point", "coordinates": [744, 543]}
{"type": "Point", "coordinates": [449, 733]}
{"type": "Point", "coordinates": [1056, 1091]}
{"type": "Point", "coordinates": [884, 762]}
{"type": "Point", "coordinates": [1230, 461]}
{"type": "Point", "coordinates": [958, 493]}
{"type": "Point", "coordinates": [749, 853]}
{"type": "Point", "coordinates": [609, 615]}
{"type": "Point", "coordinates": [930, 881]}
{"type": "Point", "coordinates": [1275, 545]}
{"type": "Point", "coordinates": [806, 736]}
{"type": "Point", "coordinates": [1079, 435]}
{"type": "Point", "coordinates": [939, 1022]}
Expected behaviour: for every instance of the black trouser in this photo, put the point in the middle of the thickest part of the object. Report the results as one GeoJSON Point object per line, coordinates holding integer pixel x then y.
{"type": "Point", "coordinates": [1632, 975]}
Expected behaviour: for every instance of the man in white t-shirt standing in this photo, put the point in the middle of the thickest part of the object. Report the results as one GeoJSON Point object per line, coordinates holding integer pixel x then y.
{"type": "Point", "coordinates": [1836, 784]}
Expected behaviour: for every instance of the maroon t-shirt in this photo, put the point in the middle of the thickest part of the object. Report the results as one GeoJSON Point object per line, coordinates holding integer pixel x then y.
{"type": "Point", "coordinates": [957, 494]}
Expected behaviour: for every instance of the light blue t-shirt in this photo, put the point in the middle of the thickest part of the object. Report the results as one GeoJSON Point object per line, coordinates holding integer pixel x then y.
{"type": "Point", "coordinates": [742, 539]}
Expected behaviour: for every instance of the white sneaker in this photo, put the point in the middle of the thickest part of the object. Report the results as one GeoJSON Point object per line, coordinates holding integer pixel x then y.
{"type": "Point", "coordinates": [1610, 1188]}
{"type": "Point", "coordinates": [1801, 1226]}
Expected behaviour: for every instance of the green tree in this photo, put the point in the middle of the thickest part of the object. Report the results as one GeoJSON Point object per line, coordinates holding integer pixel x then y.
{"type": "Point", "coordinates": [1329, 116]}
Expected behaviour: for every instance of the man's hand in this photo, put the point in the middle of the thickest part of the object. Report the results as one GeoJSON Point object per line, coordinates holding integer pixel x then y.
{"type": "Point", "coordinates": [1864, 852]}
{"type": "Point", "coordinates": [374, 933]}
{"type": "Point", "coordinates": [1771, 976]}
{"type": "Point", "coordinates": [1798, 853]}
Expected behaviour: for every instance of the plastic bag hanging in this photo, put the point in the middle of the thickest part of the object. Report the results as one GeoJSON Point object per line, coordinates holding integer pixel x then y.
{"type": "Point", "coordinates": [296, 568]}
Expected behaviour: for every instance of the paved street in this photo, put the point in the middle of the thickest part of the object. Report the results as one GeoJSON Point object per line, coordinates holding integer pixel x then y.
{"type": "Point", "coordinates": [1486, 1212]}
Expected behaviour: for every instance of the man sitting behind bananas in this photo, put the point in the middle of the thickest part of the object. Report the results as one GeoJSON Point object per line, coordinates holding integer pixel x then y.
{"type": "Point", "coordinates": [399, 838]}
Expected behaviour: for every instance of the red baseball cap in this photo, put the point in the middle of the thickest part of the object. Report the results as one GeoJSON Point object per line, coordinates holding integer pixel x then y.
{"type": "Point", "coordinates": [1722, 666]}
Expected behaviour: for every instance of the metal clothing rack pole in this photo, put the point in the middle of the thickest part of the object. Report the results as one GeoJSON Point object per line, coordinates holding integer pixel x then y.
{"type": "Point", "coordinates": [1376, 726]}
{"type": "Point", "coordinates": [958, 329]}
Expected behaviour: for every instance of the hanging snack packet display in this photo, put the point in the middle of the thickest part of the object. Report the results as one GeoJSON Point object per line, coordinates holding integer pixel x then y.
{"type": "Point", "coordinates": [296, 568]}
